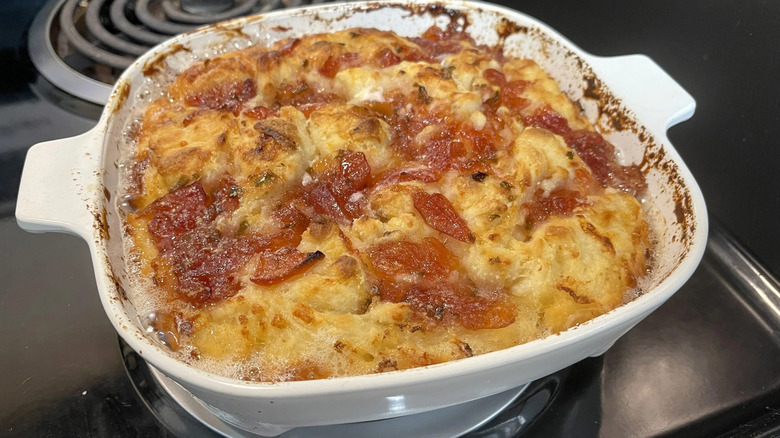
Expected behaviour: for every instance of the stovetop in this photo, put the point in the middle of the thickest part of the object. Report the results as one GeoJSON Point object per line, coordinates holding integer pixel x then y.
{"type": "Point", "coordinates": [707, 363]}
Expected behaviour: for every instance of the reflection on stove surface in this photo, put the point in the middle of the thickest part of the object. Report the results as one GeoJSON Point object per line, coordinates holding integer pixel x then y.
{"type": "Point", "coordinates": [503, 415]}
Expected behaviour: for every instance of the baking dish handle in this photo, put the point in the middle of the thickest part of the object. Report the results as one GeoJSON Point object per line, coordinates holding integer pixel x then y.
{"type": "Point", "coordinates": [57, 188]}
{"type": "Point", "coordinates": [658, 101]}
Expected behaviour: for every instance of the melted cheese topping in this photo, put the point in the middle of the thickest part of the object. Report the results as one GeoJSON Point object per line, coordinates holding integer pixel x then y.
{"type": "Point", "coordinates": [358, 202]}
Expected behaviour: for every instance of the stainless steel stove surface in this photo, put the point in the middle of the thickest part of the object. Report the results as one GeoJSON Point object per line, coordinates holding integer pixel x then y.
{"type": "Point", "coordinates": [707, 363]}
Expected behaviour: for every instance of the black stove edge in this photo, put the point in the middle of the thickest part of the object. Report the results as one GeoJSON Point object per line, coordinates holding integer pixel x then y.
{"type": "Point", "coordinates": [760, 287]}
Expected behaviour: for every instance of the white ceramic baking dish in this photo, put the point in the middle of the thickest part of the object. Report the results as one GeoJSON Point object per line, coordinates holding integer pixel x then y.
{"type": "Point", "coordinates": [69, 185]}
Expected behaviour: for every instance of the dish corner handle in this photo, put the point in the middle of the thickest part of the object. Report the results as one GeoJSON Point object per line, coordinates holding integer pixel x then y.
{"type": "Point", "coordinates": [54, 192]}
{"type": "Point", "coordinates": [654, 95]}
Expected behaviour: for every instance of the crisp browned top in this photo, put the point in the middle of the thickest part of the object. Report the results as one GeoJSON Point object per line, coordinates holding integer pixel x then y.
{"type": "Point", "coordinates": [358, 202]}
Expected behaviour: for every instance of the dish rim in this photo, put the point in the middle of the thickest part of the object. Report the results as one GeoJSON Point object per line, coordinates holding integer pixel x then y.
{"type": "Point", "coordinates": [156, 354]}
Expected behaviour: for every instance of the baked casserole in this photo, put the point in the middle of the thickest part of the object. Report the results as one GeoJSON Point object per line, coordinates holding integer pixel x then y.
{"type": "Point", "coordinates": [360, 202]}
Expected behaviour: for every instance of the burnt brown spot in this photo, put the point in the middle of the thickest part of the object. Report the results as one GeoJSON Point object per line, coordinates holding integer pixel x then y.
{"type": "Point", "coordinates": [588, 228]}
{"type": "Point", "coordinates": [122, 93]}
{"type": "Point", "coordinates": [275, 135]}
{"type": "Point", "coordinates": [156, 65]}
{"type": "Point", "coordinates": [506, 28]}
{"type": "Point", "coordinates": [464, 347]}
{"type": "Point", "coordinates": [679, 211]}
{"type": "Point", "coordinates": [101, 224]}
{"type": "Point", "coordinates": [279, 321]}
{"type": "Point", "coordinates": [320, 227]}
{"type": "Point", "coordinates": [592, 87]}
{"type": "Point", "coordinates": [370, 128]}
{"type": "Point", "coordinates": [579, 299]}
{"type": "Point", "coordinates": [117, 282]}
{"type": "Point", "coordinates": [304, 313]}
{"type": "Point", "coordinates": [347, 266]}
{"type": "Point", "coordinates": [386, 365]}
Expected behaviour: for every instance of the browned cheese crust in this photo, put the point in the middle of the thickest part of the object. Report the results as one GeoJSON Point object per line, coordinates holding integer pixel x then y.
{"type": "Point", "coordinates": [358, 202]}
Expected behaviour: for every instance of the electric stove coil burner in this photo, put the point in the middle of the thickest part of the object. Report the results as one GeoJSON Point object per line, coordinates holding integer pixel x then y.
{"type": "Point", "coordinates": [82, 46]}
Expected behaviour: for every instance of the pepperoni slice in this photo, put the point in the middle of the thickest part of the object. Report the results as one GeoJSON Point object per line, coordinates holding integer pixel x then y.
{"type": "Point", "coordinates": [175, 214]}
{"type": "Point", "coordinates": [299, 94]}
{"type": "Point", "coordinates": [426, 275]}
{"type": "Point", "coordinates": [336, 192]}
{"type": "Point", "coordinates": [260, 113]}
{"type": "Point", "coordinates": [560, 202]}
{"type": "Point", "coordinates": [548, 119]}
{"type": "Point", "coordinates": [205, 264]}
{"type": "Point", "coordinates": [395, 176]}
{"type": "Point", "coordinates": [400, 265]}
{"type": "Point", "coordinates": [386, 58]}
{"type": "Point", "coordinates": [274, 267]}
{"type": "Point", "coordinates": [227, 96]}
{"type": "Point", "coordinates": [439, 214]}
{"type": "Point", "coordinates": [594, 150]}
{"type": "Point", "coordinates": [599, 155]}
{"type": "Point", "coordinates": [511, 91]}
{"type": "Point", "coordinates": [335, 64]}
{"type": "Point", "coordinates": [470, 307]}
